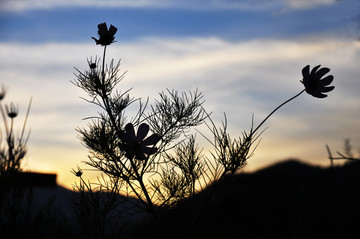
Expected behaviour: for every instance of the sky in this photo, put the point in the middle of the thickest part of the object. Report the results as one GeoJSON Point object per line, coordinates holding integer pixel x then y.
{"type": "Point", "coordinates": [245, 57]}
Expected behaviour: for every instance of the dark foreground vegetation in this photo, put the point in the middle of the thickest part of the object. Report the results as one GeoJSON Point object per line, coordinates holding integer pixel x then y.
{"type": "Point", "coordinates": [287, 200]}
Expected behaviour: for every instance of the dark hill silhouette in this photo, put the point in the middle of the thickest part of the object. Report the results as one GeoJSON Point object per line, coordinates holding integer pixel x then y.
{"type": "Point", "coordinates": [287, 200]}
{"type": "Point", "coordinates": [47, 211]}
{"type": "Point", "coordinates": [28, 179]}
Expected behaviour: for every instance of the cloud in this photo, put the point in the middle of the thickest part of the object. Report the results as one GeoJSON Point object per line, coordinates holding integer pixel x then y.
{"type": "Point", "coordinates": [237, 78]}
{"type": "Point", "coordinates": [22, 5]}
{"type": "Point", "coordinates": [302, 4]}
{"type": "Point", "coordinates": [257, 5]}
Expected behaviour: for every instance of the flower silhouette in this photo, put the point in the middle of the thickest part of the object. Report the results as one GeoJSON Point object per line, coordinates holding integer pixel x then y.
{"type": "Point", "coordinates": [92, 64]}
{"type": "Point", "coordinates": [11, 111]}
{"type": "Point", "coordinates": [77, 173]}
{"type": "Point", "coordinates": [136, 145]}
{"type": "Point", "coordinates": [313, 82]}
{"type": "Point", "coordinates": [2, 93]}
{"type": "Point", "coordinates": [106, 36]}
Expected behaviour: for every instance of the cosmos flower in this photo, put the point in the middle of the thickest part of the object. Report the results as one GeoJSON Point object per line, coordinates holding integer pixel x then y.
{"type": "Point", "coordinates": [11, 111]}
{"type": "Point", "coordinates": [136, 145]}
{"type": "Point", "coordinates": [314, 84]}
{"type": "Point", "coordinates": [106, 36]}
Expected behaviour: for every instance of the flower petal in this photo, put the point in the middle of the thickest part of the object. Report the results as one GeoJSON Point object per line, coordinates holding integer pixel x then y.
{"type": "Point", "coordinates": [142, 132]}
{"type": "Point", "coordinates": [153, 139]}
{"type": "Point", "coordinates": [327, 89]}
{"type": "Point", "coordinates": [112, 30]}
{"type": "Point", "coordinates": [316, 94]}
{"type": "Point", "coordinates": [129, 133]}
{"type": "Point", "coordinates": [102, 28]}
{"type": "Point", "coordinates": [96, 40]}
{"type": "Point", "coordinates": [320, 73]}
{"type": "Point", "coordinates": [314, 70]}
{"type": "Point", "coordinates": [306, 72]}
{"type": "Point", "coordinates": [327, 80]}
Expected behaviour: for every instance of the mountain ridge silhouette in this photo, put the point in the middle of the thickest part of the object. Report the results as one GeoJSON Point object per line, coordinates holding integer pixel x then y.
{"type": "Point", "coordinates": [289, 199]}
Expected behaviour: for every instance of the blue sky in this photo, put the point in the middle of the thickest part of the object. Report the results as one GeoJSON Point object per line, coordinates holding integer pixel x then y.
{"type": "Point", "coordinates": [245, 56]}
{"type": "Point", "coordinates": [72, 24]}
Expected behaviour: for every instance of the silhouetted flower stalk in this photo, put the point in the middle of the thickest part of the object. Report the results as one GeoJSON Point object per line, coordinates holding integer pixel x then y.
{"type": "Point", "coordinates": [12, 112]}
{"type": "Point", "coordinates": [117, 151]}
{"type": "Point", "coordinates": [234, 153]}
{"type": "Point", "coordinates": [10, 158]}
{"type": "Point", "coordinates": [15, 200]}
{"type": "Point", "coordinates": [152, 155]}
{"type": "Point", "coordinates": [314, 84]}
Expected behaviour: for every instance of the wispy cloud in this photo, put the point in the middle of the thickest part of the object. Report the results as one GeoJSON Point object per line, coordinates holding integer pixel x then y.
{"type": "Point", "coordinates": [238, 78]}
{"type": "Point", "coordinates": [259, 5]}
{"type": "Point", "coordinates": [302, 4]}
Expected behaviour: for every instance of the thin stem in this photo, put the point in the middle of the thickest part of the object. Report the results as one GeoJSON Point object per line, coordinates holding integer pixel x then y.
{"type": "Point", "coordinates": [4, 118]}
{"type": "Point", "coordinates": [26, 117]}
{"type": "Point", "coordinates": [103, 66]}
{"type": "Point", "coordinates": [87, 186]}
{"type": "Point", "coordinates": [11, 160]}
{"type": "Point", "coordinates": [276, 110]}
{"type": "Point", "coordinates": [330, 156]}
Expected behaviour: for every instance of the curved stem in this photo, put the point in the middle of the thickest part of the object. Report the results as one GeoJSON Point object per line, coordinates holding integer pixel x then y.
{"type": "Point", "coordinates": [276, 110]}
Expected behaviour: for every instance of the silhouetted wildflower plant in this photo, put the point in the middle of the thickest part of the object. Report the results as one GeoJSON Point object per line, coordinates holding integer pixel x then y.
{"type": "Point", "coordinates": [15, 200]}
{"type": "Point", "coordinates": [152, 155]}
{"type": "Point", "coordinates": [15, 149]}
